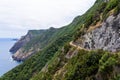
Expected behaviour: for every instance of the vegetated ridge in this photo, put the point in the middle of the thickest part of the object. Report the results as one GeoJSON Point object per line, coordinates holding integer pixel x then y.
{"type": "Point", "coordinates": [86, 49]}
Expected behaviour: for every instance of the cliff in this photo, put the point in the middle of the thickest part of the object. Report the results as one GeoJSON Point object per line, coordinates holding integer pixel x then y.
{"type": "Point", "coordinates": [18, 49]}
{"type": "Point", "coordinates": [94, 53]}
{"type": "Point", "coordinates": [86, 49]}
{"type": "Point", "coordinates": [25, 39]}
{"type": "Point", "coordinates": [31, 43]}
{"type": "Point", "coordinates": [106, 36]}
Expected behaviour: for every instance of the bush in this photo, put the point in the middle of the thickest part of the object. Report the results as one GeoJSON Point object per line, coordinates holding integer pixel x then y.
{"type": "Point", "coordinates": [110, 5]}
{"type": "Point", "coordinates": [106, 63]}
{"type": "Point", "coordinates": [117, 10]}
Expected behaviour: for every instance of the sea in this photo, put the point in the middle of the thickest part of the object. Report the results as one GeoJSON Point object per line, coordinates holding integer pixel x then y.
{"type": "Point", "coordinates": [6, 61]}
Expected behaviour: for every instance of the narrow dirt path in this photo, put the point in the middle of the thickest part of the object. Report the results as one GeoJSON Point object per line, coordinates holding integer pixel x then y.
{"type": "Point", "coordinates": [78, 47]}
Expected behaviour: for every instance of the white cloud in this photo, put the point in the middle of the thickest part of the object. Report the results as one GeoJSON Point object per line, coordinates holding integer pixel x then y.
{"type": "Point", "coordinates": [22, 15]}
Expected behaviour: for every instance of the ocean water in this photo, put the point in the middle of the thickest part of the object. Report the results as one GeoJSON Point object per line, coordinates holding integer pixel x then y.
{"type": "Point", "coordinates": [6, 61]}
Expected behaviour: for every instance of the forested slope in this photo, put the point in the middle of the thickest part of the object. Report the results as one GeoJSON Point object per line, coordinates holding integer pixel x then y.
{"type": "Point", "coordinates": [58, 60]}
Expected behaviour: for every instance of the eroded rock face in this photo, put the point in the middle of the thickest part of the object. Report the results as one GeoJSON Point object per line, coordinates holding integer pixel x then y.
{"type": "Point", "coordinates": [31, 43]}
{"type": "Point", "coordinates": [106, 37]}
{"type": "Point", "coordinates": [23, 41]}
{"type": "Point", "coordinates": [21, 55]}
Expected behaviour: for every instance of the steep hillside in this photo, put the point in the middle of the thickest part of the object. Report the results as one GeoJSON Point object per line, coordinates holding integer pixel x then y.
{"type": "Point", "coordinates": [103, 33]}
{"type": "Point", "coordinates": [77, 61]}
{"type": "Point", "coordinates": [33, 65]}
{"type": "Point", "coordinates": [34, 41]}
{"type": "Point", "coordinates": [25, 39]}
{"type": "Point", "coordinates": [106, 36]}
{"type": "Point", "coordinates": [68, 55]}
{"type": "Point", "coordinates": [76, 64]}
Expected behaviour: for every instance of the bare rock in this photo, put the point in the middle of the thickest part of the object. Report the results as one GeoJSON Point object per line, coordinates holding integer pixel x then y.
{"type": "Point", "coordinates": [106, 37]}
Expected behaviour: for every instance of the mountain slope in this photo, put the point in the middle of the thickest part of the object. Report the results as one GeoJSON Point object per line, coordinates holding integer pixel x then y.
{"type": "Point", "coordinates": [33, 65]}
{"type": "Point", "coordinates": [105, 36]}
{"type": "Point", "coordinates": [33, 42]}
{"type": "Point", "coordinates": [62, 67]}
{"type": "Point", "coordinates": [59, 60]}
{"type": "Point", "coordinates": [77, 64]}
{"type": "Point", "coordinates": [25, 39]}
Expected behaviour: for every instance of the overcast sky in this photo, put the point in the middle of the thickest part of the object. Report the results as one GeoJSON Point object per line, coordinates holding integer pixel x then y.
{"type": "Point", "coordinates": [19, 16]}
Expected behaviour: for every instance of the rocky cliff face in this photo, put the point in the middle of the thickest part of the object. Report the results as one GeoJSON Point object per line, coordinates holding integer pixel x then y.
{"type": "Point", "coordinates": [106, 36]}
{"type": "Point", "coordinates": [31, 43]}
{"type": "Point", "coordinates": [21, 54]}
{"type": "Point", "coordinates": [24, 40]}
{"type": "Point", "coordinates": [18, 47]}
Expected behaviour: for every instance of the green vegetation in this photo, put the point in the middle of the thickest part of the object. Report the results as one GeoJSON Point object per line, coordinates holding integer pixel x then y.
{"type": "Point", "coordinates": [86, 65]}
{"type": "Point", "coordinates": [41, 39]}
{"type": "Point", "coordinates": [51, 62]}
{"type": "Point", "coordinates": [117, 9]}
{"type": "Point", "coordinates": [112, 4]}
{"type": "Point", "coordinates": [36, 63]}
{"type": "Point", "coordinates": [98, 13]}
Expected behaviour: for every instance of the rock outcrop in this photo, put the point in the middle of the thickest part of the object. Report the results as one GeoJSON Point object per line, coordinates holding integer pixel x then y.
{"type": "Point", "coordinates": [23, 41]}
{"type": "Point", "coordinates": [31, 43]}
{"type": "Point", "coordinates": [18, 50]}
{"type": "Point", "coordinates": [106, 37]}
{"type": "Point", "coordinates": [21, 54]}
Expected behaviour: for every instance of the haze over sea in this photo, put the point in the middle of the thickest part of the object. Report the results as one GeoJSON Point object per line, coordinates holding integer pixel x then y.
{"type": "Point", "coordinates": [6, 61]}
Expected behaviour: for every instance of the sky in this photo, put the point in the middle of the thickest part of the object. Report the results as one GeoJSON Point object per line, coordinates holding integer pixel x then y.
{"type": "Point", "coordinates": [19, 16]}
